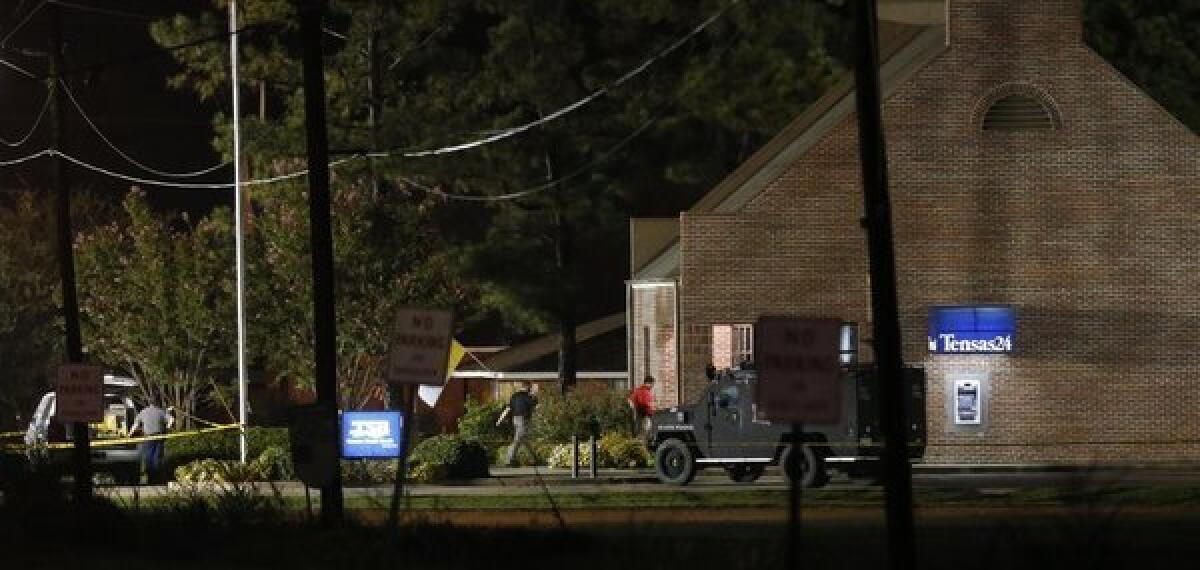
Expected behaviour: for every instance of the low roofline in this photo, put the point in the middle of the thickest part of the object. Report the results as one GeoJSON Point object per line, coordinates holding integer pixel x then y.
{"type": "Point", "coordinates": [123, 381]}
{"type": "Point", "coordinates": [506, 360]}
{"type": "Point", "coordinates": [535, 376]}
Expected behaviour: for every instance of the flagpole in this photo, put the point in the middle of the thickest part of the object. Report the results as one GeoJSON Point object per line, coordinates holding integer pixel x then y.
{"type": "Point", "coordinates": [239, 261]}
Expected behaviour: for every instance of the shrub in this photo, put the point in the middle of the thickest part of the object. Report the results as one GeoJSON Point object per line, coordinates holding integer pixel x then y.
{"type": "Point", "coordinates": [368, 471]}
{"type": "Point", "coordinates": [560, 456]}
{"type": "Point", "coordinates": [461, 458]}
{"type": "Point", "coordinates": [273, 464]}
{"type": "Point", "coordinates": [622, 451]}
{"type": "Point", "coordinates": [557, 418]}
{"type": "Point", "coordinates": [478, 422]}
{"type": "Point", "coordinates": [613, 450]}
{"type": "Point", "coordinates": [220, 471]}
{"type": "Point", "coordinates": [427, 472]}
{"type": "Point", "coordinates": [276, 464]}
{"type": "Point", "coordinates": [223, 445]}
{"type": "Point", "coordinates": [498, 453]}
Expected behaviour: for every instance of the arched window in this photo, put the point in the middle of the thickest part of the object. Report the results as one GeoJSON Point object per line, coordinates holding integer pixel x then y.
{"type": "Point", "coordinates": [1019, 112]}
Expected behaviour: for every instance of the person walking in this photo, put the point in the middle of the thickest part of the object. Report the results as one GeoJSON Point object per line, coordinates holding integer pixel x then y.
{"type": "Point", "coordinates": [642, 399]}
{"type": "Point", "coordinates": [152, 420]}
{"type": "Point", "coordinates": [520, 408]}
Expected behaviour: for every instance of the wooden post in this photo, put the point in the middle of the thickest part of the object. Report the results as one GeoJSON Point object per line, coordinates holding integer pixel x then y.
{"type": "Point", "coordinates": [886, 319]}
{"type": "Point", "coordinates": [324, 315]}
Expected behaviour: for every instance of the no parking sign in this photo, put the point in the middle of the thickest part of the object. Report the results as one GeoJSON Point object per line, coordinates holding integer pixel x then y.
{"type": "Point", "coordinates": [798, 369]}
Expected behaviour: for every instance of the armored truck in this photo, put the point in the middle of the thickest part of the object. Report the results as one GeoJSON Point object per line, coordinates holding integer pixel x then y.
{"type": "Point", "coordinates": [725, 429]}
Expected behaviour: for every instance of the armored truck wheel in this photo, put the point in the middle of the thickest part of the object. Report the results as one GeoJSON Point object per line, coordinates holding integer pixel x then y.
{"type": "Point", "coordinates": [674, 462]}
{"type": "Point", "coordinates": [804, 466]}
{"type": "Point", "coordinates": [744, 473]}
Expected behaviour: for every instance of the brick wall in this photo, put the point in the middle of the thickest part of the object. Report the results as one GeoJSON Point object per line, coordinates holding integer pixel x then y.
{"type": "Point", "coordinates": [1088, 230]}
{"type": "Point", "coordinates": [653, 324]}
{"type": "Point", "coordinates": [722, 346]}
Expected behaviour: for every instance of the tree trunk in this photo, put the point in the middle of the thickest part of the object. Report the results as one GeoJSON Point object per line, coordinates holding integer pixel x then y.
{"type": "Point", "coordinates": [563, 258]}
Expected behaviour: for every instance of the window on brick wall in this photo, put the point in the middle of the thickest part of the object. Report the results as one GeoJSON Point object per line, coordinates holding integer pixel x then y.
{"type": "Point", "coordinates": [1019, 112]}
{"type": "Point", "coordinates": [743, 344]}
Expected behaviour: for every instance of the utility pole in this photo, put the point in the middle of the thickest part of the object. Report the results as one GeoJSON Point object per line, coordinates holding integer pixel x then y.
{"type": "Point", "coordinates": [888, 352]}
{"type": "Point", "coordinates": [81, 459]}
{"type": "Point", "coordinates": [324, 324]}
{"type": "Point", "coordinates": [564, 263]}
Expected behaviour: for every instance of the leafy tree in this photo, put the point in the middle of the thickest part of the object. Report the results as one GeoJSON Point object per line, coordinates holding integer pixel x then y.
{"type": "Point", "coordinates": [156, 292]}
{"type": "Point", "coordinates": [427, 73]}
{"type": "Point", "coordinates": [384, 259]}
{"type": "Point", "coordinates": [30, 327]}
{"type": "Point", "coordinates": [32, 331]}
{"type": "Point", "coordinates": [553, 257]}
{"type": "Point", "coordinates": [388, 252]}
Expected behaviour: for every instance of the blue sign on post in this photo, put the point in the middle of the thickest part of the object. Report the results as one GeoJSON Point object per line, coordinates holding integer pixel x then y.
{"type": "Point", "coordinates": [372, 435]}
{"type": "Point", "coordinates": [972, 329]}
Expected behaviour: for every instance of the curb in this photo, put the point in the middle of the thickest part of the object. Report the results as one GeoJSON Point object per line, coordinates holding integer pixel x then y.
{"type": "Point", "coordinates": [981, 469]}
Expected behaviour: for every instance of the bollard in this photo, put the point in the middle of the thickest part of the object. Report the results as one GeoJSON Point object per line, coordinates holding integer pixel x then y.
{"type": "Point", "coordinates": [574, 457]}
{"type": "Point", "coordinates": [594, 427]}
{"type": "Point", "coordinates": [592, 463]}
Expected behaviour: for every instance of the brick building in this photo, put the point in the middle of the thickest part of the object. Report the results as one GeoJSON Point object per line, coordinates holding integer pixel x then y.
{"type": "Point", "coordinates": [1029, 178]}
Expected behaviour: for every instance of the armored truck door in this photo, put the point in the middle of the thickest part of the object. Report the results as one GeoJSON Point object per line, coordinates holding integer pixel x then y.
{"type": "Point", "coordinates": [726, 420]}
{"type": "Point", "coordinates": [736, 433]}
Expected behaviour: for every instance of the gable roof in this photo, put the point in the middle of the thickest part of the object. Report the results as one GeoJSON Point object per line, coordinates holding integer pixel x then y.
{"type": "Point", "coordinates": [904, 50]}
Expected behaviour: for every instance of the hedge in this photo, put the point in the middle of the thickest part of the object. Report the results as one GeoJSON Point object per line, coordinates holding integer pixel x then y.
{"type": "Point", "coordinates": [557, 418]}
{"type": "Point", "coordinates": [448, 457]}
{"type": "Point", "coordinates": [478, 422]}
{"type": "Point", "coordinates": [223, 445]}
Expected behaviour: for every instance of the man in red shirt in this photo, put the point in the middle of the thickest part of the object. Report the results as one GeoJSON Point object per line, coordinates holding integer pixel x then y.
{"type": "Point", "coordinates": [642, 399]}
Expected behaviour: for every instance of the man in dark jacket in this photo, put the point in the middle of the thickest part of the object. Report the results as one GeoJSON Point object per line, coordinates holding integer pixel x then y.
{"type": "Point", "coordinates": [520, 407]}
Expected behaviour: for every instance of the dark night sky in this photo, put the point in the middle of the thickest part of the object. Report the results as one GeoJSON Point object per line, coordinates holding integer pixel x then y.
{"type": "Point", "coordinates": [120, 79]}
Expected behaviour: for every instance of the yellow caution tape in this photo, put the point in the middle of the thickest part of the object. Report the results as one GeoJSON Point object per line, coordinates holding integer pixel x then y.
{"type": "Point", "coordinates": [203, 421]}
{"type": "Point", "coordinates": [127, 440]}
{"type": "Point", "coordinates": [4, 434]}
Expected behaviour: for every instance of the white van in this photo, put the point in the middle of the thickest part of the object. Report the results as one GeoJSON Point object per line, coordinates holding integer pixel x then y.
{"type": "Point", "coordinates": [121, 461]}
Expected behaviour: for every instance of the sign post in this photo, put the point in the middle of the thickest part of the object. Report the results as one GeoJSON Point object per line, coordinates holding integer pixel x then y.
{"type": "Point", "coordinates": [798, 369]}
{"type": "Point", "coordinates": [798, 363]}
{"type": "Point", "coordinates": [79, 394]}
{"type": "Point", "coordinates": [418, 355]}
{"type": "Point", "coordinates": [420, 347]}
{"type": "Point", "coordinates": [372, 435]}
{"type": "Point", "coordinates": [313, 436]}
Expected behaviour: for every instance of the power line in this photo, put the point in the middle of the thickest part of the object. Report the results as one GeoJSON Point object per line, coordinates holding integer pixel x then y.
{"type": "Point", "coordinates": [32, 129]}
{"type": "Point", "coordinates": [27, 158]}
{"type": "Point", "coordinates": [138, 56]}
{"type": "Point", "coordinates": [190, 185]}
{"type": "Point", "coordinates": [123, 154]}
{"type": "Point", "coordinates": [541, 187]}
{"type": "Point", "coordinates": [40, 5]}
{"type": "Point", "coordinates": [512, 131]}
{"type": "Point", "coordinates": [164, 183]}
{"type": "Point", "coordinates": [500, 135]}
{"type": "Point", "coordinates": [135, 57]}
{"type": "Point", "coordinates": [20, 70]}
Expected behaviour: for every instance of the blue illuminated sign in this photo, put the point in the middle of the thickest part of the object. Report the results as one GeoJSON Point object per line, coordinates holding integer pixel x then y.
{"type": "Point", "coordinates": [972, 329]}
{"type": "Point", "coordinates": [372, 434]}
